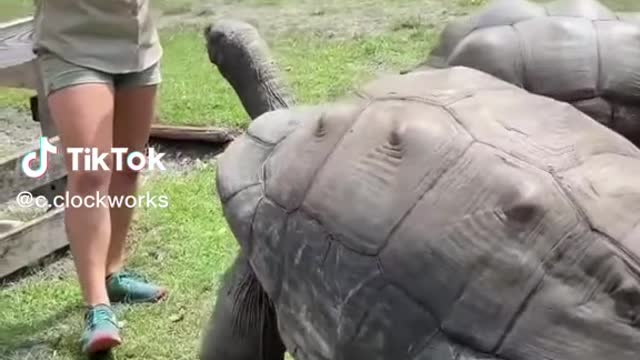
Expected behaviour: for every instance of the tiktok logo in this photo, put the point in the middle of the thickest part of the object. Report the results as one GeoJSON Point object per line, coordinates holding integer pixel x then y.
{"type": "Point", "coordinates": [91, 159]}
{"type": "Point", "coordinates": [45, 149]}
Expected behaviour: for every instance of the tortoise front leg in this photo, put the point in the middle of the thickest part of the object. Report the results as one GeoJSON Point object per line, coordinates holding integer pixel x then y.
{"type": "Point", "coordinates": [243, 325]}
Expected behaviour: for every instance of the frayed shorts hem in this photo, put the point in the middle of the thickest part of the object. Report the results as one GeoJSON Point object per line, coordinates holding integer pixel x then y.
{"type": "Point", "coordinates": [57, 74]}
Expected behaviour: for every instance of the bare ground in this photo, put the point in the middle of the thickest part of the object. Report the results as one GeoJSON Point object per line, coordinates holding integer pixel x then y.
{"type": "Point", "coordinates": [17, 131]}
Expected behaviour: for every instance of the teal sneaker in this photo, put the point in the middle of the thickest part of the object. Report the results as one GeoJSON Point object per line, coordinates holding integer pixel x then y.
{"type": "Point", "coordinates": [101, 332]}
{"type": "Point", "coordinates": [129, 287]}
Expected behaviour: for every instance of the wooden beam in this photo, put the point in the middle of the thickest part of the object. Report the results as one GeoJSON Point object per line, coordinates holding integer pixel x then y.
{"type": "Point", "coordinates": [51, 190]}
{"type": "Point", "coordinates": [188, 133]}
{"type": "Point", "coordinates": [6, 225]}
{"type": "Point", "coordinates": [25, 245]}
{"type": "Point", "coordinates": [16, 55]}
{"type": "Point", "coordinates": [632, 17]}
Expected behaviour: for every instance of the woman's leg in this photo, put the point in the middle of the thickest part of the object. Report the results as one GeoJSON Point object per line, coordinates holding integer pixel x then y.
{"type": "Point", "coordinates": [81, 103]}
{"type": "Point", "coordinates": [134, 112]}
{"type": "Point", "coordinates": [83, 115]}
{"type": "Point", "coordinates": [135, 98]}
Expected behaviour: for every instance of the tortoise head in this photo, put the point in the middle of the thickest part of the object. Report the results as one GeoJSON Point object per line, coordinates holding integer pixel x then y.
{"type": "Point", "coordinates": [244, 60]}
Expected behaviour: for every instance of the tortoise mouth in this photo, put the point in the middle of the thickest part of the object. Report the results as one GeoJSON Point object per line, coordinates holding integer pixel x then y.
{"type": "Point", "coordinates": [213, 39]}
{"type": "Point", "coordinates": [244, 60]}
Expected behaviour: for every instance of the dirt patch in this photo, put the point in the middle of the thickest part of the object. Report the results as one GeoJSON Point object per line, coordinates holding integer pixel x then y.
{"type": "Point", "coordinates": [17, 131]}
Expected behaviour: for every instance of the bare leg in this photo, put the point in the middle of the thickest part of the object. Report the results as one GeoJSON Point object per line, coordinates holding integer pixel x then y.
{"type": "Point", "coordinates": [88, 228]}
{"type": "Point", "coordinates": [134, 112]}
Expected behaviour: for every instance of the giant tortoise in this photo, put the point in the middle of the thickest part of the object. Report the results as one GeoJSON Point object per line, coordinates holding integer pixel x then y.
{"type": "Point", "coordinates": [442, 214]}
{"type": "Point", "coordinates": [577, 51]}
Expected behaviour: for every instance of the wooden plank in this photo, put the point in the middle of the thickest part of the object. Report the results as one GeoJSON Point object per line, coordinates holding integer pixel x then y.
{"type": "Point", "coordinates": [51, 190]}
{"type": "Point", "coordinates": [189, 133]}
{"type": "Point", "coordinates": [13, 180]}
{"type": "Point", "coordinates": [6, 225]}
{"type": "Point", "coordinates": [25, 245]}
{"type": "Point", "coordinates": [632, 17]}
{"type": "Point", "coordinates": [16, 55]}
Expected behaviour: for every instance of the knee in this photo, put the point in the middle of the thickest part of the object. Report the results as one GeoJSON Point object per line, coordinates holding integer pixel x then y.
{"type": "Point", "coordinates": [125, 176]}
{"type": "Point", "coordinates": [89, 182]}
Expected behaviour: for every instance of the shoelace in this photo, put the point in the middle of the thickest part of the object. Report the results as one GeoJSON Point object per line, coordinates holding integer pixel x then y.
{"type": "Point", "coordinates": [130, 275]}
{"type": "Point", "coordinates": [98, 315]}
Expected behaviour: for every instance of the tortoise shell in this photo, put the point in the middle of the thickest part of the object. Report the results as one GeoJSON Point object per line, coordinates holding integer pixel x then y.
{"type": "Point", "coordinates": [442, 214]}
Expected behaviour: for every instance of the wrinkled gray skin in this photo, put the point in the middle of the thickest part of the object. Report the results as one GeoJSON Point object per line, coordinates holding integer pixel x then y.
{"type": "Point", "coordinates": [244, 60]}
{"type": "Point", "coordinates": [576, 51]}
{"type": "Point", "coordinates": [443, 215]}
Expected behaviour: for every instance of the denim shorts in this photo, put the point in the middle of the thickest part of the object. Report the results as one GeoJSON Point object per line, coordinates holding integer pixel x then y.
{"type": "Point", "coordinates": [57, 73]}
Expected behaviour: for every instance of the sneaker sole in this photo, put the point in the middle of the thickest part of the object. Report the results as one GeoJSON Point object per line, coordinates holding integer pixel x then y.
{"type": "Point", "coordinates": [162, 295]}
{"type": "Point", "coordinates": [103, 342]}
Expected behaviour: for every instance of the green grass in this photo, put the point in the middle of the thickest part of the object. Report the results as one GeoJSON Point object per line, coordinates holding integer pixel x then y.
{"type": "Point", "coordinates": [317, 69]}
{"type": "Point", "coordinates": [194, 93]}
{"type": "Point", "coordinates": [15, 98]}
{"type": "Point", "coordinates": [12, 9]}
{"type": "Point", "coordinates": [183, 246]}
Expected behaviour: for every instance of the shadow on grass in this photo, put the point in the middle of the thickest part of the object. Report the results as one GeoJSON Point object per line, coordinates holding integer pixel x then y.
{"type": "Point", "coordinates": [107, 355]}
{"type": "Point", "coordinates": [35, 335]}
{"type": "Point", "coordinates": [38, 268]}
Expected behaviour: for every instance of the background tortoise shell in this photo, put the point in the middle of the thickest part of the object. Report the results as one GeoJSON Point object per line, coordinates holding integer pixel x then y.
{"type": "Point", "coordinates": [577, 51]}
